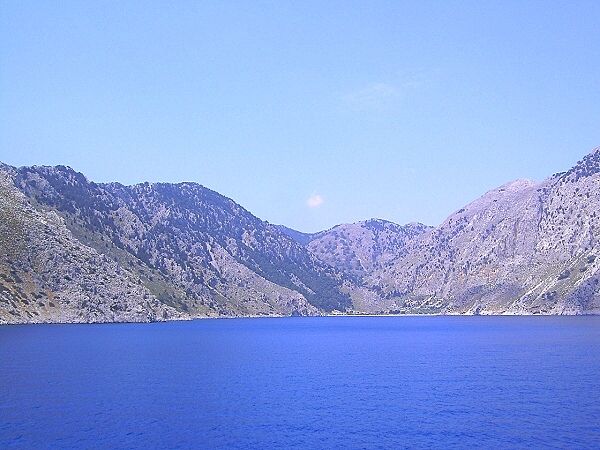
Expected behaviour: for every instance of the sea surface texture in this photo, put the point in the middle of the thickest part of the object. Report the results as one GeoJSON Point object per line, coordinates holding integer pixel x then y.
{"type": "Point", "coordinates": [339, 382]}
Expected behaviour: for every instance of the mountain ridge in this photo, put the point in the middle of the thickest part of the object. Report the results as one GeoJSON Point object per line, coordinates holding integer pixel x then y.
{"type": "Point", "coordinates": [164, 251]}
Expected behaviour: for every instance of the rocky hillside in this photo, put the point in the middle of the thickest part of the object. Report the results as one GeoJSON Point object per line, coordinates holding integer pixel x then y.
{"type": "Point", "coordinates": [47, 275]}
{"type": "Point", "coordinates": [76, 251]}
{"type": "Point", "coordinates": [522, 248]}
{"type": "Point", "coordinates": [360, 248]}
{"type": "Point", "coordinates": [298, 236]}
{"type": "Point", "coordinates": [192, 249]}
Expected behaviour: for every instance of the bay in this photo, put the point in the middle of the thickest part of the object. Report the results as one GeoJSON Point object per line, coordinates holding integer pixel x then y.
{"type": "Point", "coordinates": [323, 382]}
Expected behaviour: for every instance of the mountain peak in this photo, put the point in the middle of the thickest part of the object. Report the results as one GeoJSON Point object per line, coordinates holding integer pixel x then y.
{"type": "Point", "coordinates": [588, 166]}
{"type": "Point", "coordinates": [517, 185]}
{"type": "Point", "coordinates": [595, 151]}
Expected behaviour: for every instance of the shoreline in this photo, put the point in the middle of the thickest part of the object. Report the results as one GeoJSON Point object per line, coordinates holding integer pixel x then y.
{"type": "Point", "coordinates": [294, 317]}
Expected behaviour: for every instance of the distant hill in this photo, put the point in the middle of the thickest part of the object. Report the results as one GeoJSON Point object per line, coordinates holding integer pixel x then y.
{"type": "Point", "coordinates": [298, 236]}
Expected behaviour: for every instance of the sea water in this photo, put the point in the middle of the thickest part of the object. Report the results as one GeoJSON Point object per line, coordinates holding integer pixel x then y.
{"type": "Point", "coordinates": [324, 382]}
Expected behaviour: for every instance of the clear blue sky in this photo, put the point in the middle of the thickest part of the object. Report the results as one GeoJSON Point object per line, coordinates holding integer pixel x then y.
{"type": "Point", "coordinates": [399, 110]}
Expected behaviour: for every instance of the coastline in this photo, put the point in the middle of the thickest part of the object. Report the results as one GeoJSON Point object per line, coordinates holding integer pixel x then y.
{"type": "Point", "coordinates": [190, 319]}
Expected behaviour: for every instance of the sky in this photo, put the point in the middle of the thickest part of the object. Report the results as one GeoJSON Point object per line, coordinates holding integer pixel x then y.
{"type": "Point", "coordinates": [308, 114]}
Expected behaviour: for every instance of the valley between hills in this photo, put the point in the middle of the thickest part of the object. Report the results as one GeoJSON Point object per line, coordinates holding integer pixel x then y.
{"type": "Point", "coordinates": [75, 251]}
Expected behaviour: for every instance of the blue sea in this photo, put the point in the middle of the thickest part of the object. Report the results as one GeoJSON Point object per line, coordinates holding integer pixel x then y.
{"type": "Point", "coordinates": [326, 382]}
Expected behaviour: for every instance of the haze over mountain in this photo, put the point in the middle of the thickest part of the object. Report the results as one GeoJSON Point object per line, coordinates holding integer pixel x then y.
{"type": "Point", "coordinates": [72, 250]}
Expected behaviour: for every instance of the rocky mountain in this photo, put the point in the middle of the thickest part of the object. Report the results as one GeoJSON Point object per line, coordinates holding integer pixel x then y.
{"type": "Point", "coordinates": [48, 275]}
{"type": "Point", "coordinates": [194, 250]}
{"type": "Point", "coordinates": [360, 248]}
{"type": "Point", "coordinates": [523, 248]}
{"type": "Point", "coordinates": [72, 250]}
{"type": "Point", "coordinates": [298, 236]}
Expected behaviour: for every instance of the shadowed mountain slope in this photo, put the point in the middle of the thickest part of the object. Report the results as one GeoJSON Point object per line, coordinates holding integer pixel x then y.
{"type": "Point", "coordinates": [195, 250]}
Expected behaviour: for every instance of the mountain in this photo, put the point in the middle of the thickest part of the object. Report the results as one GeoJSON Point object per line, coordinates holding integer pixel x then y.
{"type": "Point", "coordinates": [360, 248]}
{"type": "Point", "coordinates": [72, 250]}
{"type": "Point", "coordinates": [298, 236]}
{"type": "Point", "coordinates": [194, 250]}
{"type": "Point", "coordinates": [48, 275]}
{"type": "Point", "coordinates": [523, 248]}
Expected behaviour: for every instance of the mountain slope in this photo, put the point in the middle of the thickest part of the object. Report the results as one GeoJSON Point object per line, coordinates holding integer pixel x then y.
{"type": "Point", "coordinates": [47, 275]}
{"type": "Point", "coordinates": [298, 236]}
{"type": "Point", "coordinates": [76, 251]}
{"type": "Point", "coordinates": [522, 248]}
{"type": "Point", "coordinates": [197, 250]}
{"type": "Point", "coordinates": [360, 248]}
